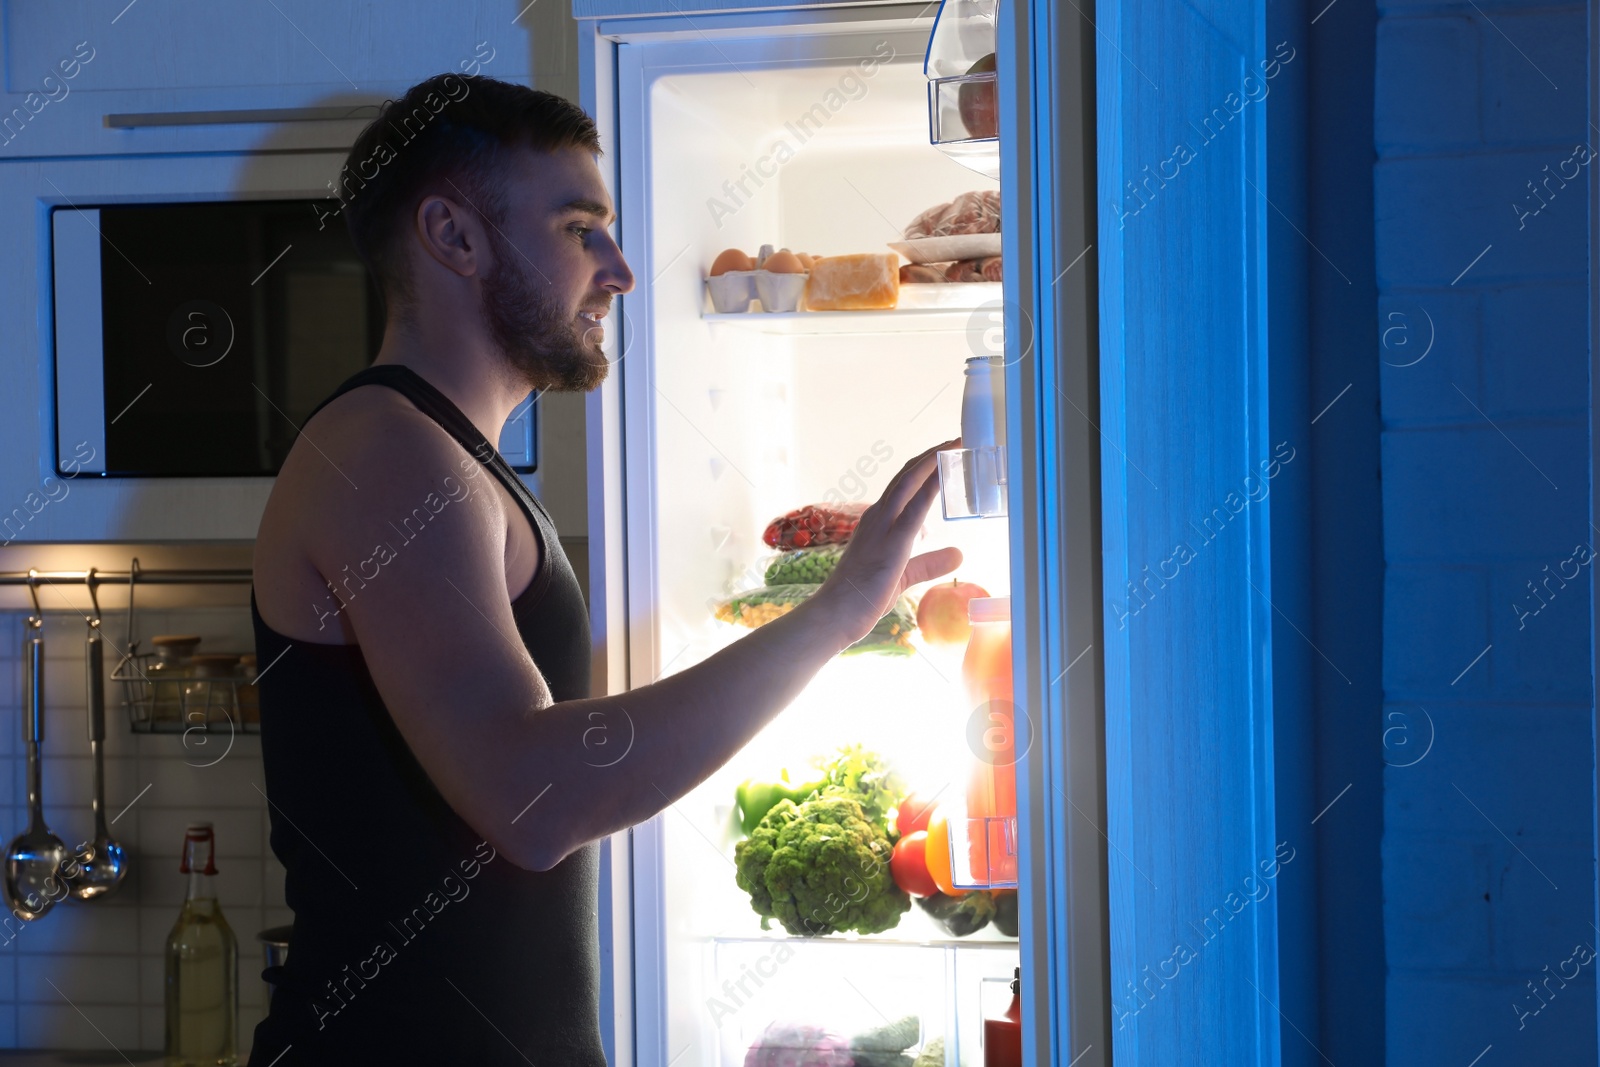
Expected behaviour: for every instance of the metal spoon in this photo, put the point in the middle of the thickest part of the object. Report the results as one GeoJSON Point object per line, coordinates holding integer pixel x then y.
{"type": "Point", "coordinates": [34, 859]}
{"type": "Point", "coordinates": [103, 862]}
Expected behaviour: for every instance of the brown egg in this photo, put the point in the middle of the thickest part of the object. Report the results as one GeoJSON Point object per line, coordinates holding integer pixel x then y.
{"type": "Point", "coordinates": [805, 260]}
{"type": "Point", "coordinates": [731, 259]}
{"type": "Point", "coordinates": [784, 262]}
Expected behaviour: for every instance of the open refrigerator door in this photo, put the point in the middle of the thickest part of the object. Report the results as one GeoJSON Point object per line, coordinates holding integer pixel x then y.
{"type": "Point", "coordinates": [785, 355]}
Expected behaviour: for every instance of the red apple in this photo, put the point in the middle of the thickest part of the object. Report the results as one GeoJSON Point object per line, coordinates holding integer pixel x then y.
{"type": "Point", "coordinates": [942, 612]}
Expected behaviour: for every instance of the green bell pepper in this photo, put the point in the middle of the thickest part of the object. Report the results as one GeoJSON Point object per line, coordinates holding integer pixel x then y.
{"type": "Point", "coordinates": [755, 798]}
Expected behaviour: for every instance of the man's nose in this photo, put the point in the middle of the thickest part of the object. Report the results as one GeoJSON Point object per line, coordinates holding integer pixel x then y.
{"type": "Point", "coordinates": [614, 275]}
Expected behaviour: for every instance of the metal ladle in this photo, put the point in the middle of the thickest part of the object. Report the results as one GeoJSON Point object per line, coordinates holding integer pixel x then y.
{"type": "Point", "coordinates": [35, 881]}
{"type": "Point", "coordinates": [103, 862]}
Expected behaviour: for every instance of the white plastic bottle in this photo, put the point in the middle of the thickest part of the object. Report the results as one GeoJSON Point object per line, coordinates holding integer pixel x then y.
{"type": "Point", "coordinates": [983, 434]}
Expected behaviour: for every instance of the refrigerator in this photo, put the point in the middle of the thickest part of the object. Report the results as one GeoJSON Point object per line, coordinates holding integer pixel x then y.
{"type": "Point", "coordinates": [808, 128]}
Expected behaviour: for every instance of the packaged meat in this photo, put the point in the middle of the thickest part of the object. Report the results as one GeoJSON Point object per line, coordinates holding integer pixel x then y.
{"type": "Point", "coordinates": [963, 270]}
{"type": "Point", "coordinates": [969, 213]}
{"type": "Point", "coordinates": [865, 282]}
{"type": "Point", "coordinates": [804, 566]}
{"type": "Point", "coordinates": [985, 269]}
{"type": "Point", "coordinates": [921, 274]}
{"type": "Point", "coordinates": [814, 524]}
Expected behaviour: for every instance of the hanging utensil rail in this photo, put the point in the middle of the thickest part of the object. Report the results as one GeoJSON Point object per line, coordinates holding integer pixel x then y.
{"type": "Point", "coordinates": [161, 705]}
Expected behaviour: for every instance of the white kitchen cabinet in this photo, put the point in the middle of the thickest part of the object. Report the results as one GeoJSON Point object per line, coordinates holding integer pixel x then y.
{"type": "Point", "coordinates": [98, 77]}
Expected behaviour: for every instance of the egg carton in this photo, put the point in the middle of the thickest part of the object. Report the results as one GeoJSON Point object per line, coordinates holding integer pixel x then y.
{"type": "Point", "coordinates": [732, 292]}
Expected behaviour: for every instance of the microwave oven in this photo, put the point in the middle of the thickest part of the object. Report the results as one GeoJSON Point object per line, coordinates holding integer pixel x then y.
{"type": "Point", "coordinates": [194, 339]}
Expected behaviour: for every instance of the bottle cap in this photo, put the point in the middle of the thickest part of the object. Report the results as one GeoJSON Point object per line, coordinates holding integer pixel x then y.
{"type": "Point", "coordinates": [989, 609]}
{"type": "Point", "coordinates": [197, 835]}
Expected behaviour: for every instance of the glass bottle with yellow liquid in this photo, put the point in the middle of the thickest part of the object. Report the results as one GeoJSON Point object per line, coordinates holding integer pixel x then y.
{"type": "Point", "coordinates": [202, 966]}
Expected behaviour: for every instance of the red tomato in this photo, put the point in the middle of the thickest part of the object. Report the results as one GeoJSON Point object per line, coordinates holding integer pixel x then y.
{"type": "Point", "coordinates": [909, 867]}
{"type": "Point", "coordinates": [913, 814]}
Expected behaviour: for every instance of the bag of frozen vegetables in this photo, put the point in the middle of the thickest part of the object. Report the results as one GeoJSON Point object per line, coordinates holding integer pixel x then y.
{"type": "Point", "coordinates": [757, 607]}
{"type": "Point", "coordinates": [804, 566]}
{"type": "Point", "coordinates": [814, 524]}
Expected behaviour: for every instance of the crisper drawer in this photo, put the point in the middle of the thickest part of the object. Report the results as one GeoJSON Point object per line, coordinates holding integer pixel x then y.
{"type": "Point", "coordinates": [883, 1004]}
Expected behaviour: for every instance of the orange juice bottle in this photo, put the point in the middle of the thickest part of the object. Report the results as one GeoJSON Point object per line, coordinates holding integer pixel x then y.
{"type": "Point", "coordinates": [992, 784]}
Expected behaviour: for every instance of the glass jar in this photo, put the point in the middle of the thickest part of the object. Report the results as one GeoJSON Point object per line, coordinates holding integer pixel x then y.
{"type": "Point", "coordinates": [246, 693]}
{"type": "Point", "coordinates": [208, 697]}
{"type": "Point", "coordinates": [166, 674]}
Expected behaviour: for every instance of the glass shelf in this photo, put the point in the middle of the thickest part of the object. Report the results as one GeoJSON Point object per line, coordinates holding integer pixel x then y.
{"type": "Point", "coordinates": [955, 307]}
{"type": "Point", "coordinates": [985, 940]}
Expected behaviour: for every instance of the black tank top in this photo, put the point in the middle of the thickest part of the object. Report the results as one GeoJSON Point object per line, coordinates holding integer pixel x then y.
{"type": "Point", "coordinates": [414, 942]}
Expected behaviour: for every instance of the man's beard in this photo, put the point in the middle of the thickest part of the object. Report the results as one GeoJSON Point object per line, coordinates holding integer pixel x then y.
{"type": "Point", "coordinates": [542, 341]}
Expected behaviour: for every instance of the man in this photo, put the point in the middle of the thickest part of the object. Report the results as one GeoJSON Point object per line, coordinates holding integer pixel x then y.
{"type": "Point", "coordinates": [423, 641]}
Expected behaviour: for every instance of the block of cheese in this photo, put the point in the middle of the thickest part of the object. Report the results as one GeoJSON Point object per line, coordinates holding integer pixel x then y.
{"type": "Point", "coordinates": [864, 282]}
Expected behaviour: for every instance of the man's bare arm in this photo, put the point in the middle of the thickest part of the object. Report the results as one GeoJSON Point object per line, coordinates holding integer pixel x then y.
{"type": "Point", "coordinates": [437, 633]}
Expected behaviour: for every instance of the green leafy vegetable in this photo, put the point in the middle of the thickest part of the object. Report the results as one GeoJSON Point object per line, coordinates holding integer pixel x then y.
{"type": "Point", "coordinates": [866, 776]}
{"type": "Point", "coordinates": [891, 1037]}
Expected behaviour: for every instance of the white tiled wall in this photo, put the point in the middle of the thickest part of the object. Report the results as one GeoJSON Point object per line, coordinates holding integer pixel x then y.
{"type": "Point", "coordinates": [89, 975]}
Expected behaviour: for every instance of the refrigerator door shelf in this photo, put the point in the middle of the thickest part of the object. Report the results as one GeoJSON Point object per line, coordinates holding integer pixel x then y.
{"type": "Point", "coordinates": [972, 482]}
{"type": "Point", "coordinates": [983, 852]}
{"type": "Point", "coordinates": [963, 109]}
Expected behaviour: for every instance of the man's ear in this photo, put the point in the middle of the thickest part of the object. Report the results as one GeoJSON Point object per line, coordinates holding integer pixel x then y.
{"type": "Point", "coordinates": [452, 234]}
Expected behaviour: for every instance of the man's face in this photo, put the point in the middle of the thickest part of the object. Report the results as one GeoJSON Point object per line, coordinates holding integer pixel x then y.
{"type": "Point", "coordinates": [555, 270]}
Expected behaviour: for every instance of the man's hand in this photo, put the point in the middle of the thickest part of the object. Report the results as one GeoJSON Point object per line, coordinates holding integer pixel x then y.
{"type": "Point", "coordinates": [877, 565]}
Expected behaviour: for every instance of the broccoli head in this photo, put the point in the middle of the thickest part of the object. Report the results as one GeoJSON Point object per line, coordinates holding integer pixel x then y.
{"type": "Point", "coordinates": [819, 867]}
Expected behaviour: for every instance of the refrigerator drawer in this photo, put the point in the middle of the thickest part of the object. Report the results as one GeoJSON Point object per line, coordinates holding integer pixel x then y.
{"type": "Point", "coordinates": [884, 1004]}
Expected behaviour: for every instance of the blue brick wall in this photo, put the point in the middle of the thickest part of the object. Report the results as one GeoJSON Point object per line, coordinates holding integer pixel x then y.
{"type": "Point", "coordinates": [1488, 839]}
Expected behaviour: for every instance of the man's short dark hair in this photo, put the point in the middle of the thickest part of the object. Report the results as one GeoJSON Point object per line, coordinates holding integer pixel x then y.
{"type": "Point", "coordinates": [450, 134]}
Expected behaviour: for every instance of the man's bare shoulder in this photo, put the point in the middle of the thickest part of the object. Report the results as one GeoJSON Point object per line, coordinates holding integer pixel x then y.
{"type": "Point", "coordinates": [361, 467]}
{"type": "Point", "coordinates": [374, 432]}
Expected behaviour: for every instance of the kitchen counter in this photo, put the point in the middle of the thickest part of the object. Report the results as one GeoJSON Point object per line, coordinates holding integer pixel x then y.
{"type": "Point", "coordinates": [46, 1058]}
